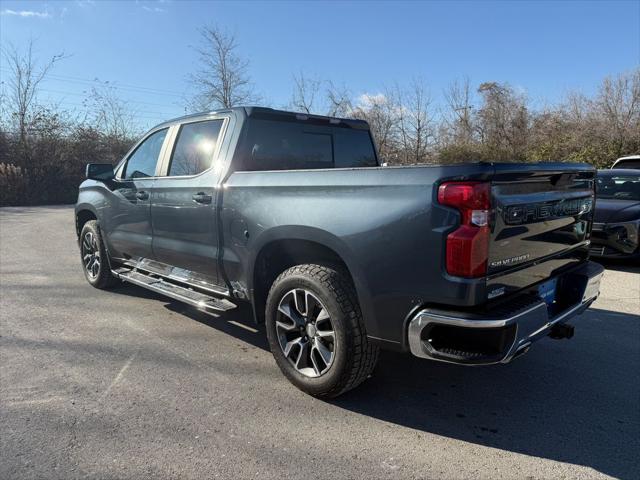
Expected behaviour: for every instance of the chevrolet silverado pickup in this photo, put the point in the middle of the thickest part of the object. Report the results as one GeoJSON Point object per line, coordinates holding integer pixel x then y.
{"type": "Point", "coordinates": [338, 255]}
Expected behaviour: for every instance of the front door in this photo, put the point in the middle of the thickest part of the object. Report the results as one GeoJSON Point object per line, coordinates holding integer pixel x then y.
{"type": "Point", "coordinates": [127, 222]}
{"type": "Point", "coordinates": [183, 203]}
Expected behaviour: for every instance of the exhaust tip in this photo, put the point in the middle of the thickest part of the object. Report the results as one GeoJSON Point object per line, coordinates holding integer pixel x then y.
{"type": "Point", "coordinates": [558, 332]}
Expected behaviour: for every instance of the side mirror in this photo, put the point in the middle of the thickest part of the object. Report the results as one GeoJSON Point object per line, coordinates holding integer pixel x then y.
{"type": "Point", "coordinates": [102, 172]}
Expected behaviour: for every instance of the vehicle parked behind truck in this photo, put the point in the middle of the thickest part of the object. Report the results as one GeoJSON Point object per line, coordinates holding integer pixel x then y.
{"type": "Point", "coordinates": [616, 226]}
{"type": "Point", "coordinates": [630, 161]}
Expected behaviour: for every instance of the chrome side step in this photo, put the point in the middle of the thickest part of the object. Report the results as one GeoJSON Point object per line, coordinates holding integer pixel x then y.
{"type": "Point", "coordinates": [178, 275]}
{"type": "Point", "coordinates": [192, 297]}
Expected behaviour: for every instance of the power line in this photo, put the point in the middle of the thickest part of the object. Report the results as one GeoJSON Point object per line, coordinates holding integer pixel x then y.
{"type": "Point", "coordinates": [123, 99]}
{"type": "Point", "coordinates": [112, 84]}
{"type": "Point", "coordinates": [135, 113]}
{"type": "Point", "coordinates": [116, 86]}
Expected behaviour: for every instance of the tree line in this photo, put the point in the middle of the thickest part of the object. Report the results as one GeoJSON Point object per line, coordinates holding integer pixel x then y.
{"type": "Point", "coordinates": [44, 148]}
{"type": "Point", "coordinates": [491, 121]}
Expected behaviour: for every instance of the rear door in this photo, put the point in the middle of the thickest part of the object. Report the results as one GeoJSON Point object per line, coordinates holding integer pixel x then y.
{"type": "Point", "coordinates": [543, 216]}
{"type": "Point", "coordinates": [183, 202]}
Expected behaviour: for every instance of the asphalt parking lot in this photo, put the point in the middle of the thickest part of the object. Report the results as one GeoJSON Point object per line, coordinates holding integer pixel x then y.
{"type": "Point", "coordinates": [126, 384]}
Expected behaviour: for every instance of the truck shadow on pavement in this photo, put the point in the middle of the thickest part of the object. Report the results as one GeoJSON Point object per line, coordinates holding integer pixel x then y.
{"type": "Point", "coordinates": [237, 323]}
{"type": "Point", "coordinates": [572, 401]}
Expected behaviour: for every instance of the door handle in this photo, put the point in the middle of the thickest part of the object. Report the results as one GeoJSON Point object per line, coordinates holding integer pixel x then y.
{"type": "Point", "coordinates": [202, 197]}
{"type": "Point", "coordinates": [142, 195]}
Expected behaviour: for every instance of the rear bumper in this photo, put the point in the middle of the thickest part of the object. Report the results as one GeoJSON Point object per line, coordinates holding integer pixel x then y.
{"type": "Point", "coordinates": [501, 334]}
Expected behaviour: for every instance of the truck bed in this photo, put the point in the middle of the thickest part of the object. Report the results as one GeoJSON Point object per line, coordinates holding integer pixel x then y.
{"type": "Point", "coordinates": [387, 225]}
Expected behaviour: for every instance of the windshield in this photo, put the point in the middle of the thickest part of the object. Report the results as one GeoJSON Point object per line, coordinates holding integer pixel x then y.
{"type": "Point", "coordinates": [622, 187]}
{"type": "Point", "coordinates": [628, 163]}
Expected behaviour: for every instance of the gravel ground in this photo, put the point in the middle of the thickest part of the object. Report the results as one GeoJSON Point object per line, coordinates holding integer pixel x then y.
{"type": "Point", "coordinates": [125, 384]}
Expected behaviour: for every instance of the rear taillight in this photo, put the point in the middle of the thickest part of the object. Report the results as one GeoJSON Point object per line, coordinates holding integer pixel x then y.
{"type": "Point", "coordinates": [468, 246]}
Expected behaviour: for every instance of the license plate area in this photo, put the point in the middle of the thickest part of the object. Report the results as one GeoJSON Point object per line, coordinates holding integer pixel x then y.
{"type": "Point", "coordinates": [547, 291]}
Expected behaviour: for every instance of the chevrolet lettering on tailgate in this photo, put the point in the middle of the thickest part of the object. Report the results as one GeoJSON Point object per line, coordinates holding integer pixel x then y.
{"type": "Point", "coordinates": [519, 214]}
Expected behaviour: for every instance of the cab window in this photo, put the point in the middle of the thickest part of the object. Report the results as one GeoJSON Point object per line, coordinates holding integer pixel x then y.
{"type": "Point", "coordinates": [284, 145]}
{"type": "Point", "coordinates": [195, 147]}
{"type": "Point", "coordinates": [142, 163]}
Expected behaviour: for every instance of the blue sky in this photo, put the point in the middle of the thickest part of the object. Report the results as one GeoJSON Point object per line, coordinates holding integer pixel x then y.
{"type": "Point", "coordinates": [543, 48]}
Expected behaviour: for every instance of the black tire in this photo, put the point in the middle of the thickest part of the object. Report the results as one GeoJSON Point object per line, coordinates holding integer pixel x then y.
{"type": "Point", "coordinates": [353, 356]}
{"type": "Point", "coordinates": [92, 250]}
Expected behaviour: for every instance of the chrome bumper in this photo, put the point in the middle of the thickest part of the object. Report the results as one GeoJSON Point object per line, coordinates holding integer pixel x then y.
{"type": "Point", "coordinates": [514, 330]}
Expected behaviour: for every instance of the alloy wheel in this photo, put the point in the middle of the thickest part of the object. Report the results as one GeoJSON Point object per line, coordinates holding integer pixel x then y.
{"type": "Point", "coordinates": [91, 255]}
{"type": "Point", "coordinates": [305, 332]}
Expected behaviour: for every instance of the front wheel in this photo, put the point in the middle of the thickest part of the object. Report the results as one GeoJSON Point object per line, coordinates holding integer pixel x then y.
{"type": "Point", "coordinates": [316, 332]}
{"type": "Point", "coordinates": [94, 257]}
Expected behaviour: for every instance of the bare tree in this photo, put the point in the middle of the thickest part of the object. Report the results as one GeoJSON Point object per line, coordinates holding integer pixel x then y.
{"type": "Point", "coordinates": [338, 100]}
{"type": "Point", "coordinates": [400, 131]}
{"type": "Point", "coordinates": [380, 111]}
{"type": "Point", "coordinates": [108, 113]}
{"type": "Point", "coordinates": [503, 122]}
{"type": "Point", "coordinates": [222, 80]}
{"type": "Point", "coordinates": [415, 122]}
{"type": "Point", "coordinates": [618, 106]}
{"type": "Point", "coordinates": [25, 76]}
{"type": "Point", "coordinates": [305, 93]}
{"type": "Point", "coordinates": [460, 116]}
{"type": "Point", "coordinates": [308, 97]}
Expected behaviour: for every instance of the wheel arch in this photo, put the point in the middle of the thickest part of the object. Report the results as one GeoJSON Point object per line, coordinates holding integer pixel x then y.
{"type": "Point", "coordinates": [286, 247]}
{"type": "Point", "coordinates": [84, 213]}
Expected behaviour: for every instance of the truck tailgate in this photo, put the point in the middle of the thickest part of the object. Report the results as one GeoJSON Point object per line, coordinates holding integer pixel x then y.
{"type": "Point", "coordinates": [542, 223]}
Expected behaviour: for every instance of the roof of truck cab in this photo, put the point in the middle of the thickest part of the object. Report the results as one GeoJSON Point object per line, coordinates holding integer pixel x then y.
{"type": "Point", "coordinates": [193, 116]}
{"type": "Point", "coordinates": [266, 112]}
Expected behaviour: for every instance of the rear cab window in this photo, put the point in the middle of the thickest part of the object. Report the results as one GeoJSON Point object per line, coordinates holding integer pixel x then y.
{"type": "Point", "coordinates": [294, 145]}
{"type": "Point", "coordinates": [354, 148]}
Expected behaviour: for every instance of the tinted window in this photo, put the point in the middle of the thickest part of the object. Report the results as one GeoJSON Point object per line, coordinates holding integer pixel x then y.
{"type": "Point", "coordinates": [628, 164]}
{"type": "Point", "coordinates": [354, 148]}
{"type": "Point", "coordinates": [143, 161]}
{"type": "Point", "coordinates": [195, 147]}
{"type": "Point", "coordinates": [278, 145]}
{"type": "Point", "coordinates": [270, 145]}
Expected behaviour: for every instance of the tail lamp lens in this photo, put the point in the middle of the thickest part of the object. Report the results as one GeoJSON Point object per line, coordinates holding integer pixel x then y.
{"type": "Point", "coordinates": [468, 246]}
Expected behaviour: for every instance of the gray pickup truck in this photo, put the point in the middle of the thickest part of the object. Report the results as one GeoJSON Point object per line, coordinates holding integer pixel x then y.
{"type": "Point", "coordinates": [338, 255]}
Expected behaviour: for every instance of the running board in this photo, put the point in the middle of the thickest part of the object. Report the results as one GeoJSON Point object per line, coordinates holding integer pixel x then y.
{"type": "Point", "coordinates": [199, 300]}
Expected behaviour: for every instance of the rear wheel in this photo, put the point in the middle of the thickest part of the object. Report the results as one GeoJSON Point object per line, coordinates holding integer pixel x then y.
{"type": "Point", "coordinates": [316, 332]}
{"type": "Point", "coordinates": [94, 257]}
